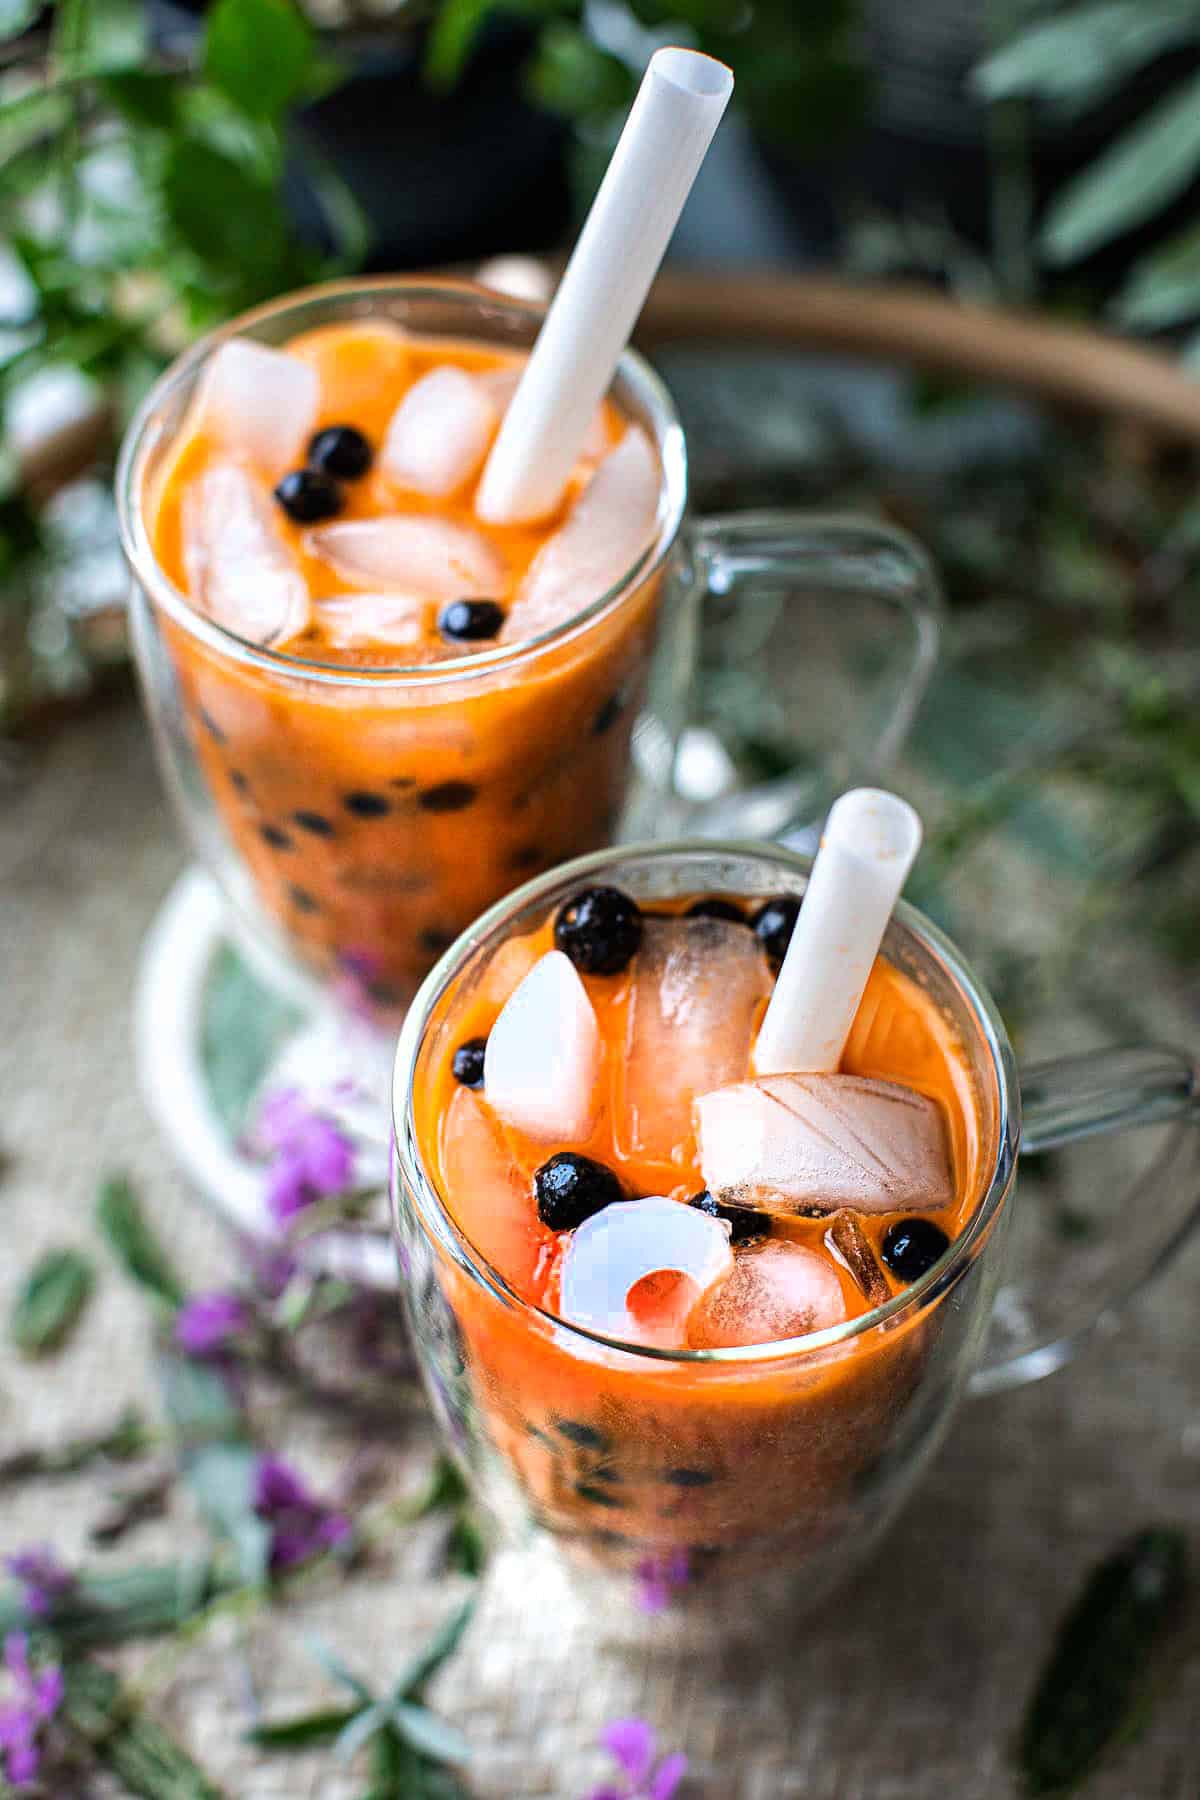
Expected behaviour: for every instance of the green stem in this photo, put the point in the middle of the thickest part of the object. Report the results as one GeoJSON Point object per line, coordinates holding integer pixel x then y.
{"type": "Point", "coordinates": [140, 1753]}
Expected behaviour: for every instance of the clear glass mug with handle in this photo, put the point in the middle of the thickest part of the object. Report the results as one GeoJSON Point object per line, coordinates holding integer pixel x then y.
{"type": "Point", "coordinates": [753, 1480]}
{"type": "Point", "coordinates": [358, 819]}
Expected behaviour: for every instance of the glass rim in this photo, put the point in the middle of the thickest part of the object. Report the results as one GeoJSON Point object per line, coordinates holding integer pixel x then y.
{"type": "Point", "coordinates": [140, 439]}
{"type": "Point", "coordinates": [925, 1292]}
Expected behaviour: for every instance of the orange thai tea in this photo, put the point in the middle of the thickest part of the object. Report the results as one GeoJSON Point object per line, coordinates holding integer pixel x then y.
{"type": "Point", "coordinates": [383, 767]}
{"type": "Point", "coordinates": [594, 1127]}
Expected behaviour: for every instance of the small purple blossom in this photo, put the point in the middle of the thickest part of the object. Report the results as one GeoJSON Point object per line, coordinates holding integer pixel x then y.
{"type": "Point", "coordinates": [301, 1525]}
{"type": "Point", "coordinates": [633, 1746]}
{"type": "Point", "coordinates": [42, 1578]}
{"type": "Point", "coordinates": [23, 1720]}
{"type": "Point", "coordinates": [310, 1156]}
{"type": "Point", "coordinates": [206, 1324]}
{"type": "Point", "coordinates": [659, 1578]}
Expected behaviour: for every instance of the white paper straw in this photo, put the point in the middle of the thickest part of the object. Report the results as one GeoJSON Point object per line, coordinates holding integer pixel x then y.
{"type": "Point", "coordinates": [677, 110]}
{"type": "Point", "coordinates": [870, 842]}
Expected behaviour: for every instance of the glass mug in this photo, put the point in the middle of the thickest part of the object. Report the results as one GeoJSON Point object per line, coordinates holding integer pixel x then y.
{"type": "Point", "coordinates": [438, 788]}
{"type": "Point", "coordinates": [797, 1455]}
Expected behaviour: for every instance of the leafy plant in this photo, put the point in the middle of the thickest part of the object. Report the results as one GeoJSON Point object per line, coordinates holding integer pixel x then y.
{"type": "Point", "coordinates": [143, 198]}
{"type": "Point", "coordinates": [799, 73]}
{"type": "Point", "coordinates": [1071, 63]}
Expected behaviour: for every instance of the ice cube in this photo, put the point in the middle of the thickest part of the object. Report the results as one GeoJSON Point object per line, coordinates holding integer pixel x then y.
{"type": "Point", "coordinates": [625, 1244]}
{"type": "Point", "coordinates": [412, 554]}
{"type": "Point", "coordinates": [239, 571]}
{"type": "Point", "coordinates": [542, 1062]}
{"type": "Point", "coordinates": [774, 1291]}
{"type": "Point", "coordinates": [697, 988]}
{"type": "Point", "coordinates": [849, 1244]}
{"type": "Point", "coordinates": [261, 401]}
{"type": "Point", "coordinates": [357, 621]}
{"type": "Point", "coordinates": [501, 384]}
{"type": "Point", "coordinates": [491, 1200]}
{"type": "Point", "coordinates": [439, 433]}
{"type": "Point", "coordinates": [610, 526]}
{"type": "Point", "coordinates": [814, 1143]}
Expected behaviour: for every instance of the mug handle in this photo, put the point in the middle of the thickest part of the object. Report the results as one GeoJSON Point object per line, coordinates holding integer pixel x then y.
{"type": "Point", "coordinates": [831, 561]}
{"type": "Point", "coordinates": [1062, 1285]}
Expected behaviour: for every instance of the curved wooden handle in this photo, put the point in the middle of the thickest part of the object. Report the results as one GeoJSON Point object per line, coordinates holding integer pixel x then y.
{"type": "Point", "coordinates": [1069, 363]}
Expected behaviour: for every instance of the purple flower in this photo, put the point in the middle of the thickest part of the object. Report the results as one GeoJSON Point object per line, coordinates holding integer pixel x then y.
{"type": "Point", "coordinates": [310, 1156]}
{"type": "Point", "coordinates": [301, 1525]}
{"type": "Point", "coordinates": [659, 1578]}
{"type": "Point", "coordinates": [22, 1721]}
{"type": "Point", "coordinates": [207, 1322]}
{"type": "Point", "coordinates": [633, 1746]}
{"type": "Point", "coordinates": [42, 1578]}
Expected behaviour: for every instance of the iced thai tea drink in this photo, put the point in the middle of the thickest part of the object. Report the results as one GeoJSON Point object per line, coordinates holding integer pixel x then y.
{"type": "Point", "coordinates": [398, 710]}
{"type": "Point", "coordinates": [661, 1295]}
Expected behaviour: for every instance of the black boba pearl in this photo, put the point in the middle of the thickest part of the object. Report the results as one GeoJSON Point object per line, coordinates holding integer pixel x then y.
{"type": "Point", "coordinates": [569, 1188]}
{"type": "Point", "coordinates": [608, 715]}
{"type": "Point", "coordinates": [340, 450]}
{"type": "Point", "coordinates": [600, 929]}
{"type": "Point", "coordinates": [278, 840]}
{"type": "Point", "coordinates": [210, 725]}
{"type": "Point", "coordinates": [435, 941]}
{"type": "Point", "coordinates": [743, 1223]}
{"type": "Point", "coordinates": [307, 495]}
{"type": "Point", "coordinates": [238, 781]}
{"type": "Point", "coordinates": [912, 1246]}
{"type": "Point", "coordinates": [470, 621]}
{"type": "Point", "coordinates": [302, 900]}
{"type": "Point", "coordinates": [448, 796]}
{"type": "Point", "coordinates": [365, 805]}
{"type": "Point", "coordinates": [467, 1066]}
{"type": "Point", "coordinates": [774, 923]}
{"type": "Point", "coordinates": [528, 856]}
{"type": "Point", "coordinates": [717, 909]}
{"type": "Point", "coordinates": [597, 1496]}
{"type": "Point", "coordinates": [313, 822]}
{"type": "Point", "coordinates": [588, 1437]}
{"type": "Point", "coordinates": [689, 1478]}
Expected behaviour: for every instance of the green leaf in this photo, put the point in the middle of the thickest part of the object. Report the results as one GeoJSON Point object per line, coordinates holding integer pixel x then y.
{"type": "Point", "coordinates": [145, 97]}
{"type": "Point", "coordinates": [244, 1024]}
{"type": "Point", "coordinates": [222, 210]}
{"type": "Point", "coordinates": [571, 74]}
{"type": "Point", "coordinates": [1094, 1685]}
{"type": "Point", "coordinates": [455, 29]}
{"type": "Point", "coordinates": [199, 1403]}
{"type": "Point", "coordinates": [432, 1736]}
{"type": "Point", "coordinates": [440, 1648]}
{"type": "Point", "coordinates": [221, 1478]}
{"type": "Point", "coordinates": [348, 223]}
{"type": "Point", "coordinates": [51, 1302]}
{"type": "Point", "coordinates": [444, 1488]}
{"type": "Point", "coordinates": [1164, 288]}
{"type": "Point", "coordinates": [362, 1728]}
{"type": "Point", "coordinates": [1150, 165]}
{"type": "Point", "coordinates": [121, 1220]}
{"type": "Point", "coordinates": [145, 1759]}
{"type": "Point", "coordinates": [1076, 59]}
{"type": "Point", "coordinates": [98, 37]}
{"type": "Point", "coordinates": [298, 1733]}
{"type": "Point", "coordinates": [333, 1666]}
{"type": "Point", "coordinates": [17, 16]}
{"type": "Point", "coordinates": [260, 53]}
{"type": "Point", "coordinates": [28, 119]}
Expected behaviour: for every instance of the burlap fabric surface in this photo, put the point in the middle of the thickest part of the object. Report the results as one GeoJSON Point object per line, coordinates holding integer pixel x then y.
{"type": "Point", "coordinates": [909, 1687]}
